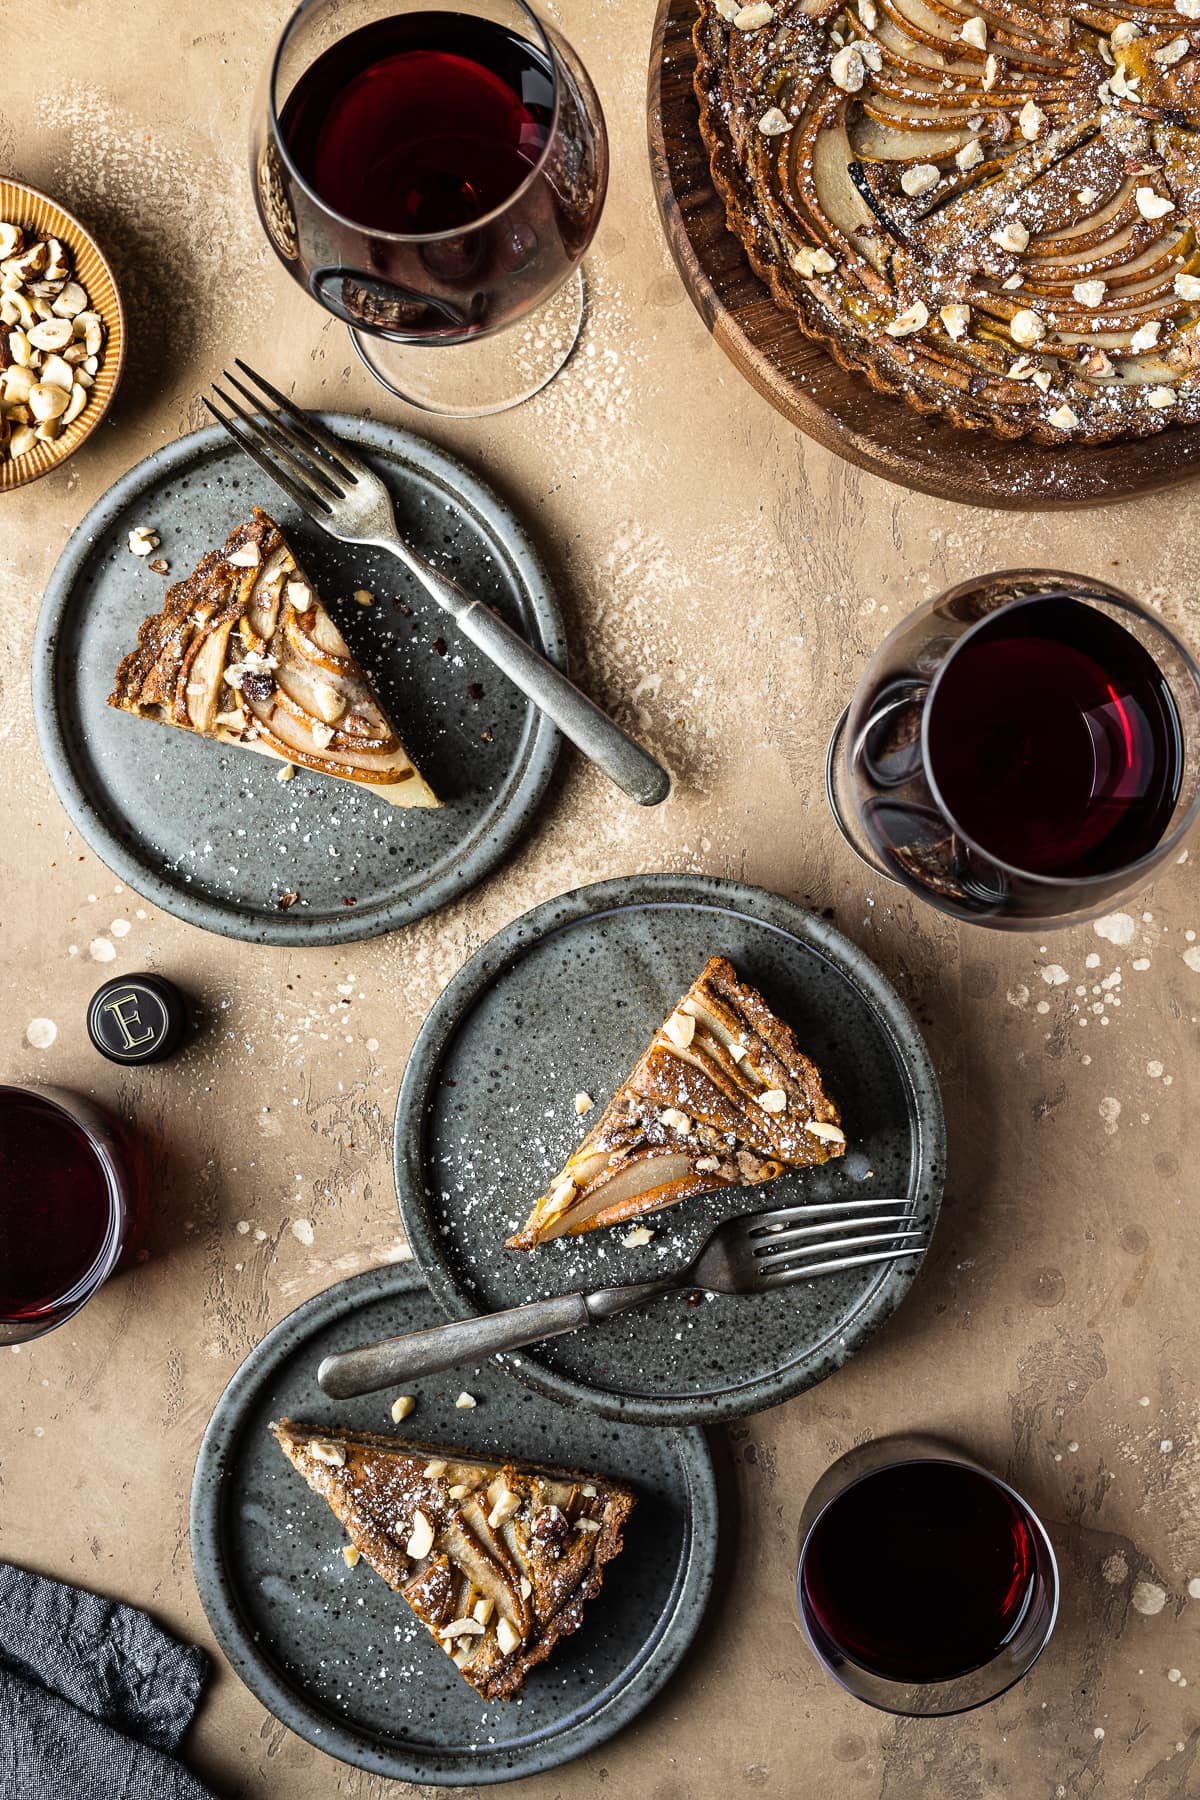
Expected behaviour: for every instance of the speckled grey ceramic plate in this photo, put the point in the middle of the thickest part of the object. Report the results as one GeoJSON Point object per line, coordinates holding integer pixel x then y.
{"type": "Point", "coordinates": [565, 999]}
{"type": "Point", "coordinates": [207, 831]}
{"type": "Point", "coordinates": [338, 1657]}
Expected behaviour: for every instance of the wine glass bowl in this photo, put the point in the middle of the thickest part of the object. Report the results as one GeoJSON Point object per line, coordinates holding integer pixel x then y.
{"type": "Point", "coordinates": [66, 1207]}
{"type": "Point", "coordinates": [926, 1585]}
{"type": "Point", "coordinates": [431, 173]}
{"type": "Point", "coordinates": [1021, 749]}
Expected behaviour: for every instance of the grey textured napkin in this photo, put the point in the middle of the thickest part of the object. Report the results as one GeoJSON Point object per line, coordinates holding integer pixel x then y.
{"type": "Point", "coordinates": [94, 1696]}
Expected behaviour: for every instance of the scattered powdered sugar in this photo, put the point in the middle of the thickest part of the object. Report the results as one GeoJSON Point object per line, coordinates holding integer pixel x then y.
{"type": "Point", "coordinates": [1191, 957]}
{"type": "Point", "coordinates": [102, 950]}
{"type": "Point", "coordinates": [40, 1033]}
{"type": "Point", "coordinates": [302, 1231]}
{"type": "Point", "coordinates": [1110, 1111]}
{"type": "Point", "coordinates": [120, 928]}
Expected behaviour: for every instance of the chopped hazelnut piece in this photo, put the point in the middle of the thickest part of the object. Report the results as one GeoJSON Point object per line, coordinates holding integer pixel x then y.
{"type": "Point", "coordinates": [142, 540]}
{"type": "Point", "coordinates": [1173, 52]}
{"type": "Point", "coordinates": [774, 122]}
{"type": "Point", "coordinates": [583, 1104]}
{"type": "Point", "coordinates": [810, 262]}
{"type": "Point", "coordinates": [633, 1240]}
{"type": "Point", "coordinates": [915, 319]}
{"type": "Point", "coordinates": [351, 1555]}
{"type": "Point", "coordinates": [1012, 235]}
{"type": "Point", "coordinates": [773, 1101]}
{"type": "Point", "coordinates": [1152, 205]}
{"type": "Point", "coordinates": [420, 1538]}
{"type": "Point", "coordinates": [753, 18]}
{"type": "Point", "coordinates": [505, 1507]}
{"type": "Point", "coordinates": [847, 69]}
{"type": "Point", "coordinates": [462, 1628]}
{"type": "Point", "coordinates": [823, 1129]}
{"type": "Point", "coordinates": [323, 1450]}
{"type": "Point", "coordinates": [956, 319]}
{"type": "Point", "coordinates": [465, 1401]}
{"type": "Point", "coordinates": [920, 178]}
{"type": "Point", "coordinates": [507, 1636]}
{"type": "Point", "coordinates": [1026, 327]}
{"type": "Point", "coordinates": [681, 1029]}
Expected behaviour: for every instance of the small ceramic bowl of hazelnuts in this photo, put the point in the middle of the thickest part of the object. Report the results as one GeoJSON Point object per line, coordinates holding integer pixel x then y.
{"type": "Point", "coordinates": [62, 334]}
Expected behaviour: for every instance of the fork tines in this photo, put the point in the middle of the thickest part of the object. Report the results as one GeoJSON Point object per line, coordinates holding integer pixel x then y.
{"type": "Point", "coordinates": [289, 445]}
{"type": "Point", "coordinates": [786, 1242]}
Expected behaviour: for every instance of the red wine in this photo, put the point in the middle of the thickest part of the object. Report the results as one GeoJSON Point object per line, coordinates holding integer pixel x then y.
{"type": "Point", "coordinates": [421, 123]}
{"type": "Point", "coordinates": [1053, 742]}
{"type": "Point", "coordinates": [57, 1211]}
{"type": "Point", "coordinates": [921, 1571]}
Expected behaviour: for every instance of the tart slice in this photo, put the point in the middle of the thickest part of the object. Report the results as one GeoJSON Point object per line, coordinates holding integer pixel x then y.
{"type": "Point", "coordinates": [244, 652]}
{"type": "Point", "coordinates": [497, 1560]}
{"type": "Point", "coordinates": [723, 1097]}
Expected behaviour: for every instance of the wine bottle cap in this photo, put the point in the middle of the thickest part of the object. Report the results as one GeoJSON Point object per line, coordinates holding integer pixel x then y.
{"type": "Point", "coordinates": [137, 1019]}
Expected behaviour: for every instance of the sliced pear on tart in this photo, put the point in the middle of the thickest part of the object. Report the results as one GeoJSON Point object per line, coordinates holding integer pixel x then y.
{"type": "Point", "coordinates": [244, 652]}
{"type": "Point", "coordinates": [722, 1097]}
{"type": "Point", "coordinates": [498, 1559]}
{"type": "Point", "coordinates": [992, 214]}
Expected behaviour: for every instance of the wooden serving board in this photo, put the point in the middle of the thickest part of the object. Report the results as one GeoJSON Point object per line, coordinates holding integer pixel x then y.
{"type": "Point", "coordinates": [839, 409]}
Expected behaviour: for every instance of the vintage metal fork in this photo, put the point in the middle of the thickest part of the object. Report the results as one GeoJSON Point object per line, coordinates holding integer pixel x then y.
{"type": "Point", "coordinates": [347, 499]}
{"type": "Point", "coordinates": [752, 1254]}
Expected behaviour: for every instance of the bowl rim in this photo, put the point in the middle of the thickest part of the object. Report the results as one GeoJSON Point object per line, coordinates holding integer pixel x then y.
{"type": "Point", "coordinates": [59, 457]}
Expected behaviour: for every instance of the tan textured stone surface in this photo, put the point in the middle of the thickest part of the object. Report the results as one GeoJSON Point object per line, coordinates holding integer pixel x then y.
{"type": "Point", "coordinates": [724, 581]}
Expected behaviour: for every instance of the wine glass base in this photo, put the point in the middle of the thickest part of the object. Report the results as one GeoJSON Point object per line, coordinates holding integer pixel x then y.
{"type": "Point", "coordinates": [491, 375]}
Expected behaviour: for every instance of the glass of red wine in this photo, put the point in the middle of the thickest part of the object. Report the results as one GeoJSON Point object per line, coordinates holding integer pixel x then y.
{"type": "Point", "coordinates": [1021, 750]}
{"type": "Point", "coordinates": [926, 1585]}
{"type": "Point", "coordinates": [432, 174]}
{"type": "Point", "coordinates": [66, 1207]}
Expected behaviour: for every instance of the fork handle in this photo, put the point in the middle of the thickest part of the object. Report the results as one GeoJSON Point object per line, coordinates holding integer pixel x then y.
{"type": "Point", "coordinates": [361, 1371]}
{"type": "Point", "coordinates": [587, 725]}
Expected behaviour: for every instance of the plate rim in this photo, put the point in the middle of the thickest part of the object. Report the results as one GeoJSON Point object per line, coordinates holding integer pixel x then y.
{"type": "Point", "coordinates": [534, 761]}
{"type": "Point", "coordinates": [621, 893]}
{"type": "Point", "coordinates": [684, 1612]}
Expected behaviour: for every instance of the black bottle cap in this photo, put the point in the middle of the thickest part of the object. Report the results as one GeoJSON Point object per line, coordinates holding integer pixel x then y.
{"type": "Point", "coordinates": [137, 1019]}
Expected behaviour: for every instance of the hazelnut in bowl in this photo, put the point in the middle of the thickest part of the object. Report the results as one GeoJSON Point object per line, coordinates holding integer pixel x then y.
{"type": "Point", "coordinates": [62, 334]}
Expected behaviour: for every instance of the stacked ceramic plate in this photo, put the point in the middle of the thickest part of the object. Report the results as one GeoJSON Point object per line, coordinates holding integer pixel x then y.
{"type": "Point", "coordinates": [561, 1001]}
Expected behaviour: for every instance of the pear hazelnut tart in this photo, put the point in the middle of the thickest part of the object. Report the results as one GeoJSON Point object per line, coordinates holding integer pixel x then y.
{"type": "Point", "coordinates": [989, 211]}
{"type": "Point", "coordinates": [244, 652]}
{"type": "Point", "coordinates": [497, 1560]}
{"type": "Point", "coordinates": [722, 1097]}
